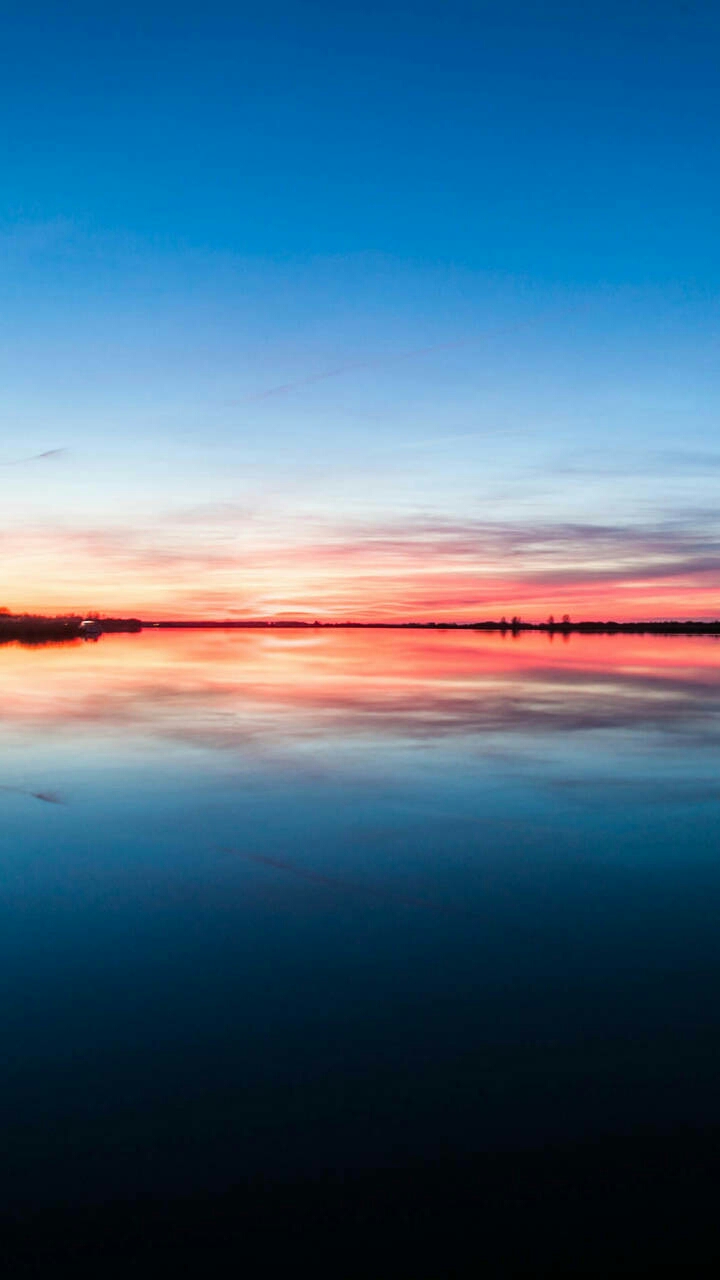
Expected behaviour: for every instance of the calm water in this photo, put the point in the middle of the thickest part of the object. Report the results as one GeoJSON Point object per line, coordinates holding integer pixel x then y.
{"type": "Point", "coordinates": [290, 902]}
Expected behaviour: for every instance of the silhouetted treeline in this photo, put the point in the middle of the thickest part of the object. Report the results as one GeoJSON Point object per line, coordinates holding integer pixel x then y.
{"type": "Point", "coordinates": [35, 629]}
{"type": "Point", "coordinates": [513, 625]}
{"type": "Point", "coordinates": [120, 624]}
{"type": "Point", "coordinates": [688, 628]}
{"type": "Point", "coordinates": [31, 628]}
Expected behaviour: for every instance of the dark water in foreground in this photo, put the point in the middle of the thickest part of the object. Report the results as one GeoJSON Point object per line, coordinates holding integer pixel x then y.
{"type": "Point", "coordinates": [288, 903]}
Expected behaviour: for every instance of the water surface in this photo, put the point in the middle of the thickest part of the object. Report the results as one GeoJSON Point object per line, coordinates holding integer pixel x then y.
{"type": "Point", "coordinates": [288, 902]}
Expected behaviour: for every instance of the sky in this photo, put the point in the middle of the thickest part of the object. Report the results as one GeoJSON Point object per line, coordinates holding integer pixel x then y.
{"type": "Point", "coordinates": [373, 310]}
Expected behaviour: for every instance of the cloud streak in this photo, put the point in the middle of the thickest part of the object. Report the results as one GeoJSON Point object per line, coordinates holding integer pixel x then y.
{"type": "Point", "coordinates": [48, 797]}
{"type": "Point", "coordinates": [35, 457]}
{"type": "Point", "coordinates": [352, 887]}
{"type": "Point", "coordinates": [393, 358]}
{"type": "Point", "coordinates": [422, 566]}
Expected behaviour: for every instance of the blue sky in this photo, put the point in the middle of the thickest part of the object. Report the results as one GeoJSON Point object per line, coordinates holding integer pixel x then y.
{"type": "Point", "coordinates": [360, 309]}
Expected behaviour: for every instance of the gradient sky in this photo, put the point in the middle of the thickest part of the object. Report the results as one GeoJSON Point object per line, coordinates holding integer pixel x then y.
{"type": "Point", "coordinates": [360, 310]}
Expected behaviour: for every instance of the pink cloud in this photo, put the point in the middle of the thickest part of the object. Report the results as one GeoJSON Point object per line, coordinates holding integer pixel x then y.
{"type": "Point", "coordinates": [420, 568]}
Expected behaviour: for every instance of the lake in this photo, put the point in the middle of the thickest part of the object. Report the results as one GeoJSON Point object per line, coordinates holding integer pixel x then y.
{"type": "Point", "coordinates": [284, 902]}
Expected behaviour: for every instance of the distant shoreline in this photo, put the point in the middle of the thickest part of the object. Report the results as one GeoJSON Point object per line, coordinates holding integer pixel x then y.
{"type": "Point", "coordinates": [670, 628]}
{"type": "Point", "coordinates": [35, 629]}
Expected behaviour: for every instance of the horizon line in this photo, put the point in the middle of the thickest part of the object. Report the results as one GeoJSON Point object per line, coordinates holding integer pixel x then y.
{"type": "Point", "coordinates": [516, 621]}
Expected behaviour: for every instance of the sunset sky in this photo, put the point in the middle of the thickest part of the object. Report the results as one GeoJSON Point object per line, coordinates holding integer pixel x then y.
{"type": "Point", "coordinates": [360, 310]}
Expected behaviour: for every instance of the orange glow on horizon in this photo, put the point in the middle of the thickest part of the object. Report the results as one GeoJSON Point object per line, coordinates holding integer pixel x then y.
{"type": "Point", "coordinates": [370, 580]}
{"type": "Point", "coordinates": [623, 602]}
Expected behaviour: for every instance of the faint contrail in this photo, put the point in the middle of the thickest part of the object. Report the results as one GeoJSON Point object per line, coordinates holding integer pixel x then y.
{"type": "Point", "coordinates": [50, 797]}
{"type": "Point", "coordinates": [378, 362]}
{"type": "Point", "coordinates": [350, 886]}
{"type": "Point", "coordinates": [34, 457]}
{"type": "Point", "coordinates": [285, 387]}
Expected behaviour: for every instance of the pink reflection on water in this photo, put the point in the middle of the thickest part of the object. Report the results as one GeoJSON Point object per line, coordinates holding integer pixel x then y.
{"type": "Point", "coordinates": [224, 687]}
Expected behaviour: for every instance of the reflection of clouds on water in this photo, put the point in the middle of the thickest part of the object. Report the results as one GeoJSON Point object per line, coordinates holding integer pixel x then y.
{"type": "Point", "coordinates": [225, 715]}
{"type": "Point", "coordinates": [246, 694]}
{"type": "Point", "coordinates": [637, 790]}
{"type": "Point", "coordinates": [49, 797]}
{"type": "Point", "coordinates": [352, 887]}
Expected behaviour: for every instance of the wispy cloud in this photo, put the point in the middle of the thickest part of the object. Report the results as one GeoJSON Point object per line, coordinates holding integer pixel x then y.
{"type": "Point", "coordinates": [35, 457]}
{"type": "Point", "coordinates": [650, 462]}
{"type": "Point", "coordinates": [212, 513]}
